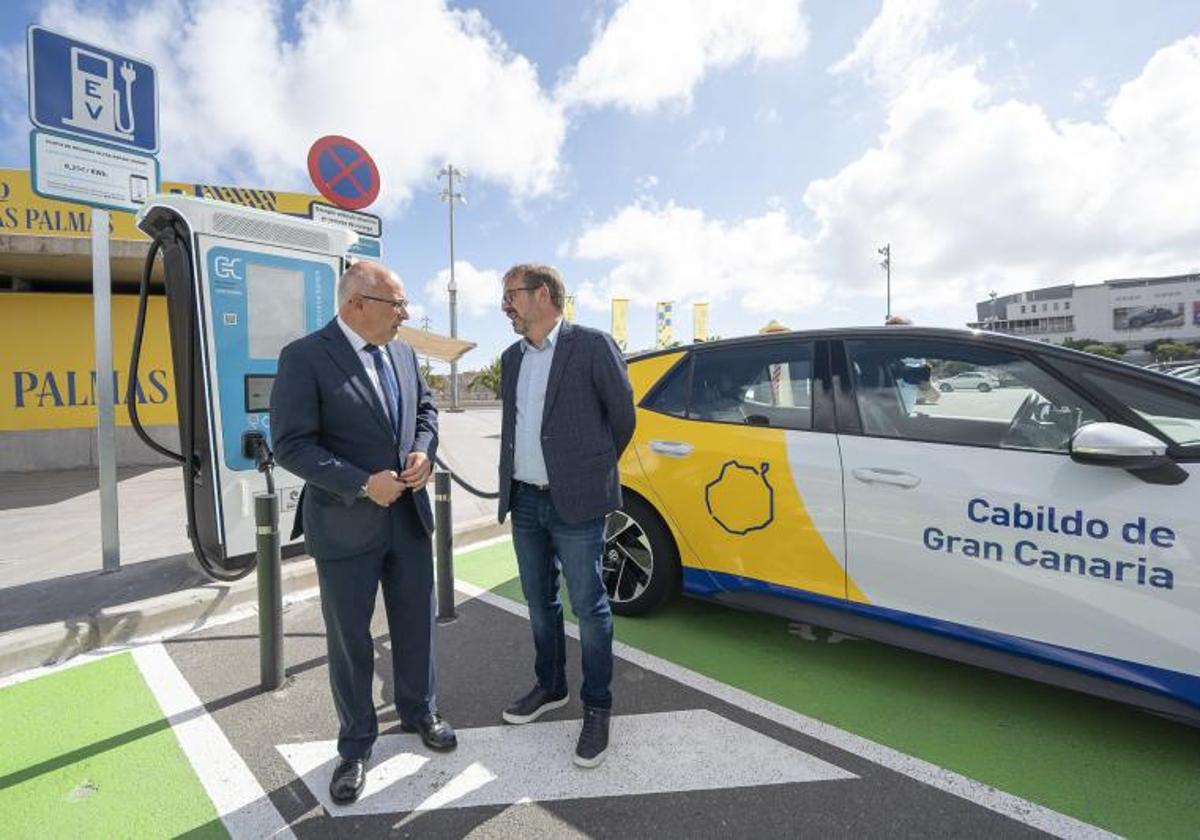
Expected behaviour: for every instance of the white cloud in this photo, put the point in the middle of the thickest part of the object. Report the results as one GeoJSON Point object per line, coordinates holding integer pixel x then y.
{"type": "Point", "coordinates": [416, 83]}
{"type": "Point", "coordinates": [1087, 90]}
{"type": "Point", "coordinates": [655, 52]}
{"type": "Point", "coordinates": [972, 190]}
{"type": "Point", "coordinates": [708, 137]}
{"type": "Point", "coordinates": [676, 253]}
{"type": "Point", "coordinates": [891, 50]}
{"type": "Point", "coordinates": [478, 290]}
{"type": "Point", "coordinates": [770, 116]}
{"type": "Point", "coordinates": [645, 184]}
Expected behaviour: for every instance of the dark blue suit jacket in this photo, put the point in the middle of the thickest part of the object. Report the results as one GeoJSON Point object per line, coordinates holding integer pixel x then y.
{"type": "Point", "coordinates": [587, 422]}
{"type": "Point", "coordinates": [330, 429]}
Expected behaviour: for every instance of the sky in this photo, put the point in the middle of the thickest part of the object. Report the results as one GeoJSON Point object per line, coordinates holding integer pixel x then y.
{"type": "Point", "coordinates": [751, 155]}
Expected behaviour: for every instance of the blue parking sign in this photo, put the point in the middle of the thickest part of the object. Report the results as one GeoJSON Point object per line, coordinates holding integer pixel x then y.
{"type": "Point", "coordinates": [92, 92]}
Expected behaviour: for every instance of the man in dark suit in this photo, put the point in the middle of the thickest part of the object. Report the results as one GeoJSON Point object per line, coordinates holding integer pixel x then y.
{"type": "Point", "coordinates": [568, 415]}
{"type": "Point", "coordinates": [352, 416]}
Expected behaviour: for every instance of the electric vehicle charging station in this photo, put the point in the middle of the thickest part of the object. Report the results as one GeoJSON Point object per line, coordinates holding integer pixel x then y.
{"type": "Point", "coordinates": [241, 284]}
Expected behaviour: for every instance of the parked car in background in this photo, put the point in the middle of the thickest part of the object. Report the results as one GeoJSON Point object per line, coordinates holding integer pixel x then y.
{"type": "Point", "coordinates": [970, 380]}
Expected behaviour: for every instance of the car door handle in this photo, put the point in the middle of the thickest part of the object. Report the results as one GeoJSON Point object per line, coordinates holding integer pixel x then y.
{"type": "Point", "coordinates": [877, 475]}
{"type": "Point", "coordinates": [671, 448]}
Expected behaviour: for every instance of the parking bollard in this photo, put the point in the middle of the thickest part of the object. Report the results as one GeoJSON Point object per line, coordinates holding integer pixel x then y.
{"type": "Point", "coordinates": [444, 529]}
{"type": "Point", "coordinates": [270, 591]}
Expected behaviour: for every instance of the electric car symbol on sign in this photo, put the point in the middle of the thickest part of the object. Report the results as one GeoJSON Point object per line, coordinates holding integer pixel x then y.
{"type": "Point", "coordinates": [1047, 530]}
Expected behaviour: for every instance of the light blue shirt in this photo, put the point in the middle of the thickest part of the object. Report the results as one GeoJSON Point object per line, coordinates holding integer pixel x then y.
{"type": "Point", "coordinates": [529, 465]}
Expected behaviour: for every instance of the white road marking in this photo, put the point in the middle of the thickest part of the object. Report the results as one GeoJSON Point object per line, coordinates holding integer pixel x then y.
{"type": "Point", "coordinates": [1013, 807]}
{"type": "Point", "coordinates": [663, 752]}
{"type": "Point", "coordinates": [238, 797]}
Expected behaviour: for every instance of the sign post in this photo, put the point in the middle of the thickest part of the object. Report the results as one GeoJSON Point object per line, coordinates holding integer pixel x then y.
{"type": "Point", "coordinates": [98, 111]}
{"type": "Point", "coordinates": [348, 178]}
{"type": "Point", "coordinates": [106, 419]}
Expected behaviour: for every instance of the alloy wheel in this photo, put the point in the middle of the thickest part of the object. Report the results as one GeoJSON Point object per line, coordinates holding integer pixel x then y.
{"type": "Point", "coordinates": [628, 561]}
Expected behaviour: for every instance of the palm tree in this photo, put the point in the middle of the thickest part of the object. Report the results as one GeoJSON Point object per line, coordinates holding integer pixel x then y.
{"type": "Point", "coordinates": [489, 377]}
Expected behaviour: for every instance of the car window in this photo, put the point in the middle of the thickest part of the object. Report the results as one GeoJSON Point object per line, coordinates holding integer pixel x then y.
{"type": "Point", "coordinates": [1175, 416]}
{"type": "Point", "coordinates": [944, 392]}
{"type": "Point", "coordinates": [760, 385]}
{"type": "Point", "coordinates": [670, 396]}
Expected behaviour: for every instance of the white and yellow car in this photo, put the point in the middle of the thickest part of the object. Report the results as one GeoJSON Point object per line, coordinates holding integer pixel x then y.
{"type": "Point", "coordinates": [1049, 528]}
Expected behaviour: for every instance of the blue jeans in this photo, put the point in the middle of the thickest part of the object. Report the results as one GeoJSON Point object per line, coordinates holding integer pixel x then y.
{"type": "Point", "coordinates": [545, 545]}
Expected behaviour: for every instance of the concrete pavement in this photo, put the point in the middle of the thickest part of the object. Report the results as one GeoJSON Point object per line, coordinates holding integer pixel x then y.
{"type": "Point", "coordinates": [55, 601]}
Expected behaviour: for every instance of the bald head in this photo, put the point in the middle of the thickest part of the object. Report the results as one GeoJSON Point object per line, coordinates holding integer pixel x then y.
{"type": "Point", "coordinates": [371, 301]}
{"type": "Point", "coordinates": [365, 277]}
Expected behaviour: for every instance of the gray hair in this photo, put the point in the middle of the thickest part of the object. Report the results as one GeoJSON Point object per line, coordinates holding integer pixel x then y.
{"type": "Point", "coordinates": [537, 274]}
{"type": "Point", "coordinates": [354, 279]}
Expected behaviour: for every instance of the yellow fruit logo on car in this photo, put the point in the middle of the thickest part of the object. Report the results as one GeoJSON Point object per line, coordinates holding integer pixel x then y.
{"type": "Point", "coordinates": [740, 499]}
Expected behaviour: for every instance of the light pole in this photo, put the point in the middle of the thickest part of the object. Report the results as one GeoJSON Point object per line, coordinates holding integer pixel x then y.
{"type": "Point", "coordinates": [886, 264]}
{"type": "Point", "coordinates": [449, 195]}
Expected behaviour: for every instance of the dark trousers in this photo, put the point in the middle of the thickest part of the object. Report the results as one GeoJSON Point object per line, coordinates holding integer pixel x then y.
{"type": "Point", "coordinates": [348, 588]}
{"type": "Point", "coordinates": [545, 544]}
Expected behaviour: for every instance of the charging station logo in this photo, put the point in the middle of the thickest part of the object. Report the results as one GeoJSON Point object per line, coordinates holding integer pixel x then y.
{"type": "Point", "coordinates": [227, 268]}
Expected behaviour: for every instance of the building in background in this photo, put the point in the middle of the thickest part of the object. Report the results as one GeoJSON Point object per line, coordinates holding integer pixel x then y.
{"type": "Point", "coordinates": [1131, 312]}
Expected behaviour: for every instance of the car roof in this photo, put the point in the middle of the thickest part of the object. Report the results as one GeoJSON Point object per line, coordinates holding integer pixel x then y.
{"type": "Point", "coordinates": [982, 338]}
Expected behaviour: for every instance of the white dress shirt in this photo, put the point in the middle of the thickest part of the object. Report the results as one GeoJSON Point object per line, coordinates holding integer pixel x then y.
{"type": "Point", "coordinates": [360, 344]}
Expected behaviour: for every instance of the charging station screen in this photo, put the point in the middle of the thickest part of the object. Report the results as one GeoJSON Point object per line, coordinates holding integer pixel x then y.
{"type": "Point", "coordinates": [275, 305]}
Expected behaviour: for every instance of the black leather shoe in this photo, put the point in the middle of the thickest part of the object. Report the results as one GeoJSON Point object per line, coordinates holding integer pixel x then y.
{"type": "Point", "coordinates": [348, 779]}
{"type": "Point", "coordinates": [533, 705]}
{"type": "Point", "coordinates": [436, 732]}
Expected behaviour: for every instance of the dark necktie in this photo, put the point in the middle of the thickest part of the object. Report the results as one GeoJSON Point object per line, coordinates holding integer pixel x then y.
{"type": "Point", "coordinates": [391, 386]}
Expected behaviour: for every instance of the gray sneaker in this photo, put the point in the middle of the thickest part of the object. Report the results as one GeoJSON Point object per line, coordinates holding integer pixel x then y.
{"type": "Point", "coordinates": [593, 737]}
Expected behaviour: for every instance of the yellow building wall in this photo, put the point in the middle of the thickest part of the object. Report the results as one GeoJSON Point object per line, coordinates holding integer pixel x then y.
{"type": "Point", "coordinates": [47, 361]}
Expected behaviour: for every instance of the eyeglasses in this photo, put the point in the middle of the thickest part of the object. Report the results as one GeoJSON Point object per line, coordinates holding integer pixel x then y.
{"type": "Point", "coordinates": [396, 304]}
{"type": "Point", "coordinates": [510, 294]}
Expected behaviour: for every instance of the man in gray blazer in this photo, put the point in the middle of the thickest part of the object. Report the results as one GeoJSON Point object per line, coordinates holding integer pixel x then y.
{"type": "Point", "coordinates": [352, 416]}
{"type": "Point", "coordinates": [568, 415]}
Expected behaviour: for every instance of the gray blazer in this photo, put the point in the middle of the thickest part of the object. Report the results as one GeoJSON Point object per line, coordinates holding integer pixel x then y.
{"type": "Point", "coordinates": [329, 428]}
{"type": "Point", "coordinates": [587, 422]}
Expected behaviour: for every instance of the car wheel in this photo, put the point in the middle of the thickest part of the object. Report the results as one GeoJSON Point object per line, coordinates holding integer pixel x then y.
{"type": "Point", "coordinates": [640, 566]}
{"type": "Point", "coordinates": [984, 387]}
{"type": "Point", "coordinates": [945, 386]}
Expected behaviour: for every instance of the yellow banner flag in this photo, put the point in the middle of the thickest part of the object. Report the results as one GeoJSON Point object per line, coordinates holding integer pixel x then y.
{"type": "Point", "coordinates": [620, 322]}
{"type": "Point", "coordinates": [700, 321]}
{"type": "Point", "coordinates": [569, 308]}
{"type": "Point", "coordinates": [663, 316]}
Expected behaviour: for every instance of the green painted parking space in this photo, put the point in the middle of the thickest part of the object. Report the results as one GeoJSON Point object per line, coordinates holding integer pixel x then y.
{"type": "Point", "coordinates": [88, 753]}
{"type": "Point", "coordinates": [1100, 762]}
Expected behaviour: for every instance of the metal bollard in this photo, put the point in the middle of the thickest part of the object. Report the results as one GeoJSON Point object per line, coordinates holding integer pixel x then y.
{"type": "Point", "coordinates": [444, 529]}
{"type": "Point", "coordinates": [270, 591]}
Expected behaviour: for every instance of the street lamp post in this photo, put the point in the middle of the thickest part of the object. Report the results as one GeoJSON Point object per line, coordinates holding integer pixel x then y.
{"type": "Point", "coordinates": [449, 195]}
{"type": "Point", "coordinates": [886, 264]}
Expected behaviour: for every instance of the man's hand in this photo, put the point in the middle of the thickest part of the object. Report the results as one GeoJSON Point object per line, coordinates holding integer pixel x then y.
{"type": "Point", "coordinates": [417, 469]}
{"type": "Point", "coordinates": [384, 487]}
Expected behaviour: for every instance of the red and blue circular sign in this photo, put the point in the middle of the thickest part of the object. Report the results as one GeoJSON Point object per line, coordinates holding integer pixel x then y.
{"type": "Point", "coordinates": [343, 172]}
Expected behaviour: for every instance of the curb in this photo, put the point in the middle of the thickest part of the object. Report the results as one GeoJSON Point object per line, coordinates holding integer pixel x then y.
{"type": "Point", "coordinates": [179, 612]}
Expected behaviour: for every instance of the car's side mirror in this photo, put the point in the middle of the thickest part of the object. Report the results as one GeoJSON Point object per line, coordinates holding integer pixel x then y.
{"type": "Point", "coordinates": [1118, 445]}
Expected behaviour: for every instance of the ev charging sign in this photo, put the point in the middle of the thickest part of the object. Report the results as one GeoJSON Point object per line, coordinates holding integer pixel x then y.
{"type": "Point", "coordinates": [91, 92]}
